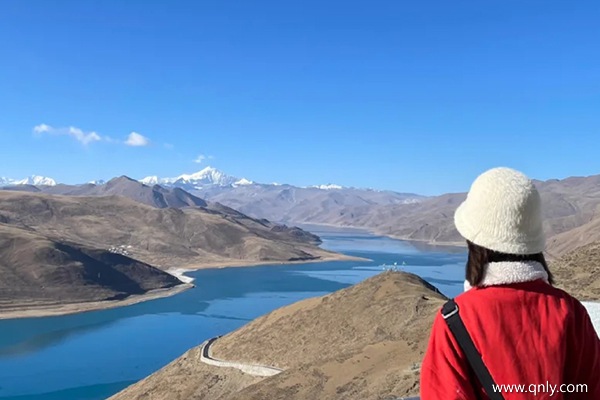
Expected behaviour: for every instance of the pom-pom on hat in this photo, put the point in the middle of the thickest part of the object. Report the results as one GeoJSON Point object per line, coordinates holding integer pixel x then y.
{"type": "Point", "coordinates": [502, 212]}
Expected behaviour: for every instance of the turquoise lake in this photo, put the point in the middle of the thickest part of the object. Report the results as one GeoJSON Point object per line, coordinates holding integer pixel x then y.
{"type": "Point", "coordinates": [91, 356]}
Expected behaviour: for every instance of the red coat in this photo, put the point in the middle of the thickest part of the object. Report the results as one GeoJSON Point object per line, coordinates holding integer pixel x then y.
{"type": "Point", "coordinates": [528, 333]}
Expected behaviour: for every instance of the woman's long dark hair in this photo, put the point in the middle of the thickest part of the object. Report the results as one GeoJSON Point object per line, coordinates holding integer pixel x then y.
{"type": "Point", "coordinates": [480, 256]}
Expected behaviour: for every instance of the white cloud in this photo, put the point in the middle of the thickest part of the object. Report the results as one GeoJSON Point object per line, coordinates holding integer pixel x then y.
{"type": "Point", "coordinates": [137, 140]}
{"type": "Point", "coordinates": [85, 138]}
{"type": "Point", "coordinates": [41, 128]}
{"type": "Point", "coordinates": [200, 159]}
{"type": "Point", "coordinates": [82, 137]}
{"type": "Point", "coordinates": [169, 146]}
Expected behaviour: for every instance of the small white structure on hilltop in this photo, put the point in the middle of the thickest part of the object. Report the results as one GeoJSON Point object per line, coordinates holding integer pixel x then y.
{"type": "Point", "coordinates": [122, 250]}
{"type": "Point", "coordinates": [393, 267]}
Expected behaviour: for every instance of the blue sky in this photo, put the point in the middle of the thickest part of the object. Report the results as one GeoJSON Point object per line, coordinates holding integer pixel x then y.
{"type": "Point", "coordinates": [408, 96]}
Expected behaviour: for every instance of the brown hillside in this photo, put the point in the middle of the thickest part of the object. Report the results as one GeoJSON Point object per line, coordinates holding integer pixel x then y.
{"type": "Point", "coordinates": [162, 237]}
{"type": "Point", "coordinates": [566, 242]}
{"type": "Point", "coordinates": [36, 270]}
{"type": "Point", "coordinates": [61, 250]}
{"type": "Point", "coordinates": [383, 308]}
{"type": "Point", "coordinates": [571, 208]}
{"type": "Point", "coordinates": [156, 196]}
{"type": "Point", "coordinates": [568, 204]}
{"type": "Point", "coordinates": [578, 272]}
{"type": "Point", "coordinates": [357, 343]}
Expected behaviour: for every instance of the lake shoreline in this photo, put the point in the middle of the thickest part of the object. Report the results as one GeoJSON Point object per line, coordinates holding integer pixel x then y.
{"type": "Point", "coordinates": [356, 229]}
{"type": "Point", "coordinates": [54, 310]}
{"type": "Point", "coordinates": [242, 264]}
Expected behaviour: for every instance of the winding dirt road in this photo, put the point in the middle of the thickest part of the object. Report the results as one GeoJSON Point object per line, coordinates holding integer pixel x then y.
{"type": "Point", "coordinates": [250, 369]}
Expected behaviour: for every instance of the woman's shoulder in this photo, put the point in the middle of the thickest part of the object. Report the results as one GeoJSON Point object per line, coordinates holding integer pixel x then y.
{"type": "Point", "coordinates": [529, 292]}
{"type": "Point", "coordinates": [567, 298]}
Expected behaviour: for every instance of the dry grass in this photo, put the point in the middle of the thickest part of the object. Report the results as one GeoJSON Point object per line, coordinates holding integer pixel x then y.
{"type": "Point", "coordinates": [578, 272]}
{"type": "Point", "coordinates": [357, 343]}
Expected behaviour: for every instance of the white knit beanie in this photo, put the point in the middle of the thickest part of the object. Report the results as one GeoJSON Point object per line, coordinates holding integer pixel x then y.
{"type": "Point", "coordinates": [502, 212]}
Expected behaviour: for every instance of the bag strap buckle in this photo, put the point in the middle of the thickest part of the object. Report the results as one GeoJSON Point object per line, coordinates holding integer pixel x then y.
{"type": "Point", "coordinates": [447, 312]}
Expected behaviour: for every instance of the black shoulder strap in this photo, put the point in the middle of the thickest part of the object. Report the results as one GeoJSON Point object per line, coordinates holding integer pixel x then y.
{"type": "Point", "coordinates": [458, 329]}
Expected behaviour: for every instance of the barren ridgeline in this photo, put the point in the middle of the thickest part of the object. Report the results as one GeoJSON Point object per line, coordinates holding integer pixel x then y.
{"type": "Point", "coordinates": [569, 205]}
{"type": "Point", "coordinates": [65, 254]}
{"type": "Point", "coordinates": [363, 342]}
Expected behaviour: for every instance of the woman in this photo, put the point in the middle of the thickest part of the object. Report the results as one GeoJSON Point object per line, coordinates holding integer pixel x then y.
{"type": "Point", "coordinates": [526, 331]}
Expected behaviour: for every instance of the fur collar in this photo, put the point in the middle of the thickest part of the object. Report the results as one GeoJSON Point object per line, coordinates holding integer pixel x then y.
{"type": "Point", "coordinates": [507, 272]}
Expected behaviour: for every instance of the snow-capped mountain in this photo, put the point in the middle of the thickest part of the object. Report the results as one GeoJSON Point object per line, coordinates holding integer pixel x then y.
{"type": "Point", "coordinates": [243, 182]}
{"type": "Point", "coordinates": [35, 180]}
{"type": "Point", "coordinates": [152, 180]}
{"type": "Point", "coordinates": [329, 186]}
{"type": "Point", "coordinates": [209, 176]}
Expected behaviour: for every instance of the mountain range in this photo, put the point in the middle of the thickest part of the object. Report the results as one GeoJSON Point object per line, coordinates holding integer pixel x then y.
{"type": "Point", "coordinates": [65, 244]}
{"type": "Point", "coordinates": [571, 210]}
{"type": "Point", "coordinates": [570, 205]}
{"type": "Point", "coordinates": [284, 203]}
{"type": "Point", "coordinates": [209, 176]}
{"type": "Point", "coordinates": [160, 236]}
{"type": "Point", "coordinates": [32, 180]}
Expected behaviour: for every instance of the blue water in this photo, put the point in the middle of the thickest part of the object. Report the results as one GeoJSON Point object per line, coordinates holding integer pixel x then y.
{"type": "Point", "coordinates": [96, 354]}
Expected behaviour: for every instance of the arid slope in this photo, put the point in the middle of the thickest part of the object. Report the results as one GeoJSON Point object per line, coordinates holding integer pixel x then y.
{"type": "Point", "coordinates": [58, 250]}
{"type": "Point", "coordinates": [161, 237]}
{"type": "Point", "coordinates": [578, 272]}
{"type": "Point", "coordinates": [363, 342]}
{"type": "Point", "coordinates": [569, 204]}
{"type": "Point", "coordinates": [36, 270]}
